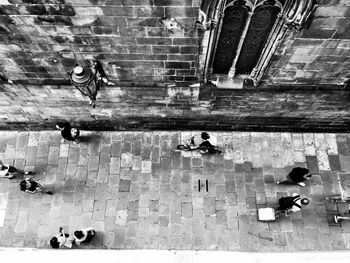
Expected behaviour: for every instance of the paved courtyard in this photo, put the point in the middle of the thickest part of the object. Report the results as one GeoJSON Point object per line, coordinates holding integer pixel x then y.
{"type": "Point", "coordinates": [140, 193]}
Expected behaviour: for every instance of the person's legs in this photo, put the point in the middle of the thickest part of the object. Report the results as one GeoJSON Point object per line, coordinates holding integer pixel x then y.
{"type": "Point", "coordinates": [42, 190]}
{"type": "Point", "coordinates": [279, 212]}
{"type": "Point", "coordinates": [286, 181]}
{"type": "Point", "coordinates": [90, 235]}
{"type": "Point", "coordinates": [337, 219]}
{"type": "Point", "coordinates": [280, 208]}
{"type": "Point", "coordinates": [14, 170]}
{"type": "Point", "coordinates": [206, 146]}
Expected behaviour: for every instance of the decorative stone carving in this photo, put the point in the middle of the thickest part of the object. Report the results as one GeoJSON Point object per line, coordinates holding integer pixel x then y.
{"type": "Point", "coordinates": [253, 46]}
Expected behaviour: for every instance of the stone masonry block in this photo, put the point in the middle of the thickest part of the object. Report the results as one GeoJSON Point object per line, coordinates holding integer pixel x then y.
{"type": "Point", "coordinates": [148, 12]}
{"type": "Point", "coordinates": [177, 12]}
{"type": "Point", "coordinates": [53, 155]}
{"type": "Point", "coordinates": [318, 33]}
{"type": "Point", "coordinates": [172, 2]}
{"type": "Point", "coordinates": [334, 162]}
{"type": "Point", "coordinates": [209, 206]}
{"type": "Point", "coordinates": [345, 163]}
{"type": "Point", "coordinates": [88, 10]}
{"type": "Point", "coordinates": [312, 164]}
{"type": "Point", "coordinates": [124, 185]}
{"type": "Point", "coordinates": [230, 186]}
{"type": "Point", "coordinates": [187, 210]}
{"type": "Point", "coordinates": [332, 11]}
{"type": "Point", "coordinates": [126, 160]}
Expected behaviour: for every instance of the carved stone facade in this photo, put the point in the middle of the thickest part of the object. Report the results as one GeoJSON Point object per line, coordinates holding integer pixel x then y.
{"type": "Point", "coordinates": [244, 35]}
{"type": "Point", "coordinates": [156, 52]}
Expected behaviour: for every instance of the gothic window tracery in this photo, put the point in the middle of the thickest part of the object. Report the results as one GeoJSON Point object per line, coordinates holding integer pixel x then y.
{"type": "Point", "coordinates": [260, 26]}
{"type": "Point", "coordinates": [232, 28]}
{"type": "Point", "coordinates": [247, 33]}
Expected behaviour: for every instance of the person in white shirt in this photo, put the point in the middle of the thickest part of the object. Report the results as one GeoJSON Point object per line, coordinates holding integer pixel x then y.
{"type": "Point", "coordinates": [84, 235]}
{"type": "Point", "coordinates": [292, 204]}
{"type": "Point", "coordinates": [9, 171]}
{"type": "Point", "coordinates": [61, 240]}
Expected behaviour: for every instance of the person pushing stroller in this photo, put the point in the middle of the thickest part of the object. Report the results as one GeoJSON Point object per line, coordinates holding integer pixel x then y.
{"type": "Point", "coordinates": [291, 204]}
{"type": "Point", "coordinates": [287, 205]}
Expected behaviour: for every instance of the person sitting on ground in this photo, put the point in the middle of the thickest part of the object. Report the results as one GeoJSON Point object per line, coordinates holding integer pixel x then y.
{"type": "Point", "coordinates": [84, 235]}
{"type": "Point", "coordinates": [28, 185]}
{"type": "Point", "coordinates": [298, 176]}
{"type": "Point", "coordinates": [61, 240]}
{"type": "Point", "coordinates": [68, 133]}
{"type": "Point", "coordinates": [291, 204]}
{"type": "Point", "coordinates": [8, 171]}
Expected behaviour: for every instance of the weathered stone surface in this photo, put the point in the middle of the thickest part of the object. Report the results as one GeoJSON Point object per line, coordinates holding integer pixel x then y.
{"type": "Point", "coordinates": [138, 210]}
{"type": "Point", "coordinates": [138, 46]}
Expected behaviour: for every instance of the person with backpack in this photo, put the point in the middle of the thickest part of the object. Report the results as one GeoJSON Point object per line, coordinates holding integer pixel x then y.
{"type": "Point", "coordinates": [84, 235]}
{"type": "Point", "coordinates": [9, 171]}
{"type": "Point", "coordinates": [61, 240]}
{"type": "Point", "coordinates": [68, 133]}
{"type": "Point", "coordinates": [298, 176]}
{"type": "Point", "coordinates": [291, 204]}
{"type": "Point", "coordinates": [28, 185]}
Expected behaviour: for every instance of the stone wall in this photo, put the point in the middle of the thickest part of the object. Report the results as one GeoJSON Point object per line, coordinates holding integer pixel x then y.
{"type": "Point", "coordinates": [319, 53]}
{"type": "Point", "coordinates": [137, 41]}
{"type": "Point", "coordinates": [153, 41]}
{"type": "Point", "coordinates": [143, 50]}
{"type": "Point", "coordinates": [286, 108]}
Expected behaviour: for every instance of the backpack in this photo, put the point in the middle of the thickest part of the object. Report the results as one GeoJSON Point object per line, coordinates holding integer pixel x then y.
{"type": "Point", "coordinates": [288, 201]}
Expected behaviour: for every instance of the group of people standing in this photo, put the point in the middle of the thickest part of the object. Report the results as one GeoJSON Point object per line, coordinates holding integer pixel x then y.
{"type": "Point", "coordinates": [64, 240]}
{"type": "Point", "coordinates": [29, 185]}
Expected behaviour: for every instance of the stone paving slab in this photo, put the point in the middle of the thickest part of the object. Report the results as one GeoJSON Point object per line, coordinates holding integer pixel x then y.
{"type": "Point", "coordinates": [131, 256]}
{"type": "Point", "coordinates": [140, 193]}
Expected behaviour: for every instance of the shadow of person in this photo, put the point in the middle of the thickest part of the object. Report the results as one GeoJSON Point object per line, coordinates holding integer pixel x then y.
{"type": "Point", "coordinates": [90, 138]}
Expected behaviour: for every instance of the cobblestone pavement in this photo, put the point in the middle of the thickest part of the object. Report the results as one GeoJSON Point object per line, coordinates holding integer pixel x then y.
{"type": "Point", "coordinates": [138, 192]}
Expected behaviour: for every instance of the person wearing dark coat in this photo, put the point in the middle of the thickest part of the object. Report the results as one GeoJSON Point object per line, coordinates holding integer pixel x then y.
{"type": "Point", "coordinates": [298, 176]}
{"type": "Point", "coordinates": [84, 235]}
{"type": "Point", "coordinates": [68, 133]}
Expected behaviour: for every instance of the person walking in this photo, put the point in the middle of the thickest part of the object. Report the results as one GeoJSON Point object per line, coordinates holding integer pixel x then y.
{"type": "Point", "coordinates": [9, 171]}
{"type": "Point", "coordinates": [28, 185]}
{"type": "Point", "coordinates": [291, 204]}
{"type": "Point", "coordinates": [84, 235]}
{"type": "Point", "coordinates": [68, 133]}
{"type": "Point", "coordinates": [298, 176]}
{"type": "Point", "coordinates": [61, 240]}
